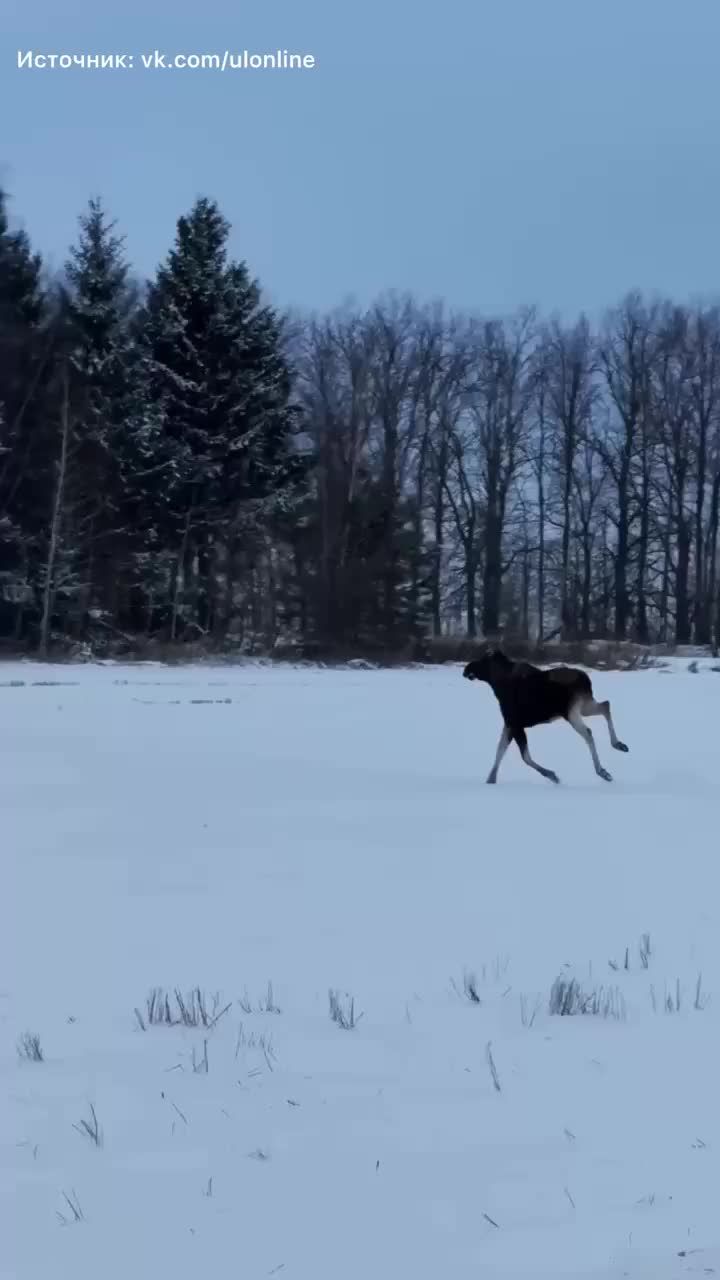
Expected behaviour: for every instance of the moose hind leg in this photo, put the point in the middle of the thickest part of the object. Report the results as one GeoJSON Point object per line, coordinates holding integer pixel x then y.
{"type": "Point", "coordinates": [590, 707]}
{"type": "Point", "coordinates": [575, 720]}
{"type": "Point", "coordinates": [520, 737]}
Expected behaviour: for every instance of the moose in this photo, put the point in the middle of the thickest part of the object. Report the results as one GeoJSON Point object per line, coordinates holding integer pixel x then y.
{"type": "Point", "coordinates": [529, 696]}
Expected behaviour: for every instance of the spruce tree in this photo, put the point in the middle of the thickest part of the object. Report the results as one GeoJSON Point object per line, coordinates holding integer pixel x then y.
{"type": "Point", "coordinates": [25, 359]}
{"type": "Point", "coordinates": [110, 426]}
{"type": "Point", "coordinates": [21, 293]}
{"type": "Point", "coordinates": [222, 387]}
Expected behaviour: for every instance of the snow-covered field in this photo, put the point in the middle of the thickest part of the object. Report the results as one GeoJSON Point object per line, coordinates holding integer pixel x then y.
{"type": "Point", "coordinates": [222, 828]}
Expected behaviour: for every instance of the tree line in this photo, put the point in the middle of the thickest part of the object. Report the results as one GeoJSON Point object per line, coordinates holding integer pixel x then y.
{"type": "Point", "coordinates": [179, 462]}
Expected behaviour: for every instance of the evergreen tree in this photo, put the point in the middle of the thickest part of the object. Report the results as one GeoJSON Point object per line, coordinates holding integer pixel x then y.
{"type": "Point", "coordinates": [21, 293]}
{"type": "Point", "coordinates": [110, 427]}
{"type": "Point", "coordinates": [25, 360]}
{"type": "Point", "coordinates": [222, 386]}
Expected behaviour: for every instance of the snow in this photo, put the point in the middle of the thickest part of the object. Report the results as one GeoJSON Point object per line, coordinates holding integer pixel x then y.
{"type": "Point", "coordinates": [225, 827]}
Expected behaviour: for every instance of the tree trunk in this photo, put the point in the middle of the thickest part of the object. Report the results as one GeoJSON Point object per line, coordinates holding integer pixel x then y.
{"type": "Point", "coordinates": [541, 532]}
{"type": "Point", "coordinates": [417, 547]}
{"type": "Point", "coordinates": [665, 588]}
{"type": "Point", "coordinates": [470, 594]}
{"type": "Point", "coordinates": [492, 576]}
{"type": "Point", "coordinates": [621, 567]}
{"type": "Point", "coordinates": [180, 569]}
{"type": "Point", "coordinates": [682, 582]}
{"type": "Point", "coordinates": [56, 518]}
{"type": "Point", "coordinates": [713, 586]}
{"type": "Point", "coordinates": [642, 630]}
{"type": "Point", "coordinates": [586, 591]}
{"type": "Point", "coordinates": [565, 609]}
{"type": "Point", "coordinates": [439, 539]}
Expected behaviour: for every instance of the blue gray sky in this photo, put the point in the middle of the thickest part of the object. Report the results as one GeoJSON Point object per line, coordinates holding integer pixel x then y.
{"type": "Point", "coordinates": [558, 152]}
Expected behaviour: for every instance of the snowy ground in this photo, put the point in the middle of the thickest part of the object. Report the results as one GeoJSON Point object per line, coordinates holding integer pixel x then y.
{"type": "Point", "coordinates": [222, 828]}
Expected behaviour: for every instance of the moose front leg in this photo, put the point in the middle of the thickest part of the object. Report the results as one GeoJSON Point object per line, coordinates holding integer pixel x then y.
{"type": "Point", "coordinates": [504, 743]}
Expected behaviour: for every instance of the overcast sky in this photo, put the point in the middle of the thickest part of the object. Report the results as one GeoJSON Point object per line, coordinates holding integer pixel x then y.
{"type": "Point", "coordinates": [551, 151]}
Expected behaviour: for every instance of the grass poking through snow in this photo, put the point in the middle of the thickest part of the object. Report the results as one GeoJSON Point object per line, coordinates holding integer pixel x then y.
{"type": "Point", "coordinates": [193, 1009]}
{"type": "Point", "coordinates": [674, 1000]}
{"type": "Point", "coordinates": [90, 1129]}
{"type": "Point", "coordinates": [73, 1205]}
{"type": "Point", "coordinates": [644, 953]}
{"type": "Point", "coordinates": [29, 1048]}
{"type": "Point", "coordinates": [259, 1043]}
{"type": "Point", "coordinates": [492, 1068]}
{"type": "Point", "coordinates": [469, 989]}
{"type": "Point", "coordinates": [200, 1064]}
{"type": "Point", "coordinates": [266, 1003]}
{"type": "Point", "coordinates": [528, 1014]}
{"type": "Point", "coordinates": [342, 1010]}
{"type": "Point", "coordinates": [568, 999]}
